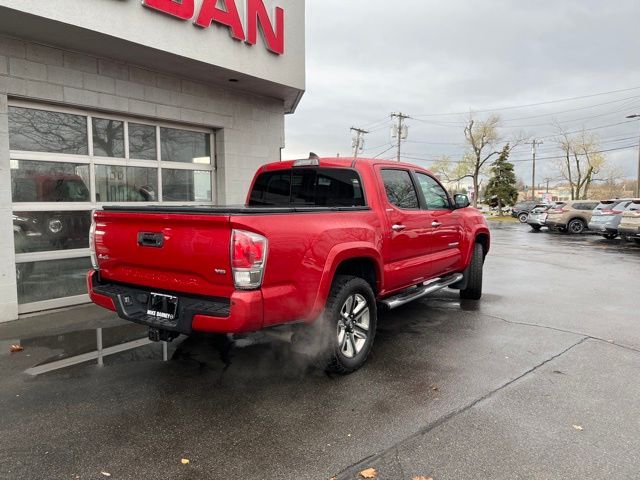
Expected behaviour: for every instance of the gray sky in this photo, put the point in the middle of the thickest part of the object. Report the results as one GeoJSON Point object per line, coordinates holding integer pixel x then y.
{"type": "Point", "coordinates": [367, 58]}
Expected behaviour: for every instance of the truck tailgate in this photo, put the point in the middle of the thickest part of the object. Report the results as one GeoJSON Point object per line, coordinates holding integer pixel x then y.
{"type": "Point", "coordinates": [175, 252]}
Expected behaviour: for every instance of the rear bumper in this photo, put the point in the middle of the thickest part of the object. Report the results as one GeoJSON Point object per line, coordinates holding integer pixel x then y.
{"type": "Point", "coordinates": [603, 227]}
{"type": "Point", "coordinates": [536, 221]}
{"type": "Point", "coordinates": [555, 224]}
{"type": "Point", "coordinates": [241, 313]}
{"type": "Point", "coordinates": [629, 231]}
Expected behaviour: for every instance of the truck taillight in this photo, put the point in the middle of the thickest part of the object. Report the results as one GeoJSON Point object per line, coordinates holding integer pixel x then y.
{"type": "Point", "coordinates": [248, 259]}
{"type": "Point", "coordinates": [92, 242]}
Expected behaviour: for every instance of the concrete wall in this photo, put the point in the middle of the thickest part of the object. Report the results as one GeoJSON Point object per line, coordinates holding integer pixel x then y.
{"type": "Point", "coordinates": [132, 32]}
{"type": "Point", "coordinates": [252, 126]}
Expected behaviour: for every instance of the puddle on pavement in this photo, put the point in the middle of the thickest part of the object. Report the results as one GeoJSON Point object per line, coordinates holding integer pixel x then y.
{"type": "Point", "coordinates": [129, 343]}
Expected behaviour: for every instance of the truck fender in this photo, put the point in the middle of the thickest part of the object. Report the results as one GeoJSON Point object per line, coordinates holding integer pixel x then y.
{"type": "Point", "coordinates": [485, 236]}
{"type": "Point", "coordinates": [337, 255]}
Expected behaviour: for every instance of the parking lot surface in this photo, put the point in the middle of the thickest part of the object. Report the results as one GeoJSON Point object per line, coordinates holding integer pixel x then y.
{"type": "Point", "coordinates": [537, 380]}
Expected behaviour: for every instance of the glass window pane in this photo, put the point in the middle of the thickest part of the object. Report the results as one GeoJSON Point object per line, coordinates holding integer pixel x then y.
{"type": "Point", "coordinates": [126, 184]}
{"type": "Point", "coordinates": [42, 131]}
{"type": "Point", "coordinates": [108, 138]}
{"type": "Point", "coordinates": [272, 189]}
{"type": "Point", "coordinates": [142, 142]}
{"type": "Point", "coordinates": [186, 186]}
{"type": "Point", "coordinates": [51, 279]}
{"type": "Point", "coordinates": [435, 196]}
{"type": "Point", "coordinates": [46, 231]}
{"type": "Point", "coordinates": [400, 189]}
{"type": "Point", "coordinates": [49, 181]}
{"type": "Point", "coordinates": [185, 146]}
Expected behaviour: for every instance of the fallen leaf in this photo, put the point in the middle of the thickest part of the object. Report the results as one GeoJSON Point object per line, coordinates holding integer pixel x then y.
{"type": "Point", "coordinates": [106, 474]}
{"type": "Point", "coordinates": [16, 348]}
{"type": "Point", "coordinates": [578, 427]}
{"type": "Point", "coordinates": [369, 473]}
{"type": "Point", "coordinates": [185, 461]}
{"type": "Point", "coordinates": [422, 477]}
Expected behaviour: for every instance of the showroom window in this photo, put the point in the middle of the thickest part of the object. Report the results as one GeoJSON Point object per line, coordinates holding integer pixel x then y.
{"type": "Point", "coordinates": [65, 163]}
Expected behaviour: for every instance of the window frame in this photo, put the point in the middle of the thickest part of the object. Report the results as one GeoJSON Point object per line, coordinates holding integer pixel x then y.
{"type": "Point", "coordinates": [416, 188]}
{"type": "Point", "coordinates": [92, 161]}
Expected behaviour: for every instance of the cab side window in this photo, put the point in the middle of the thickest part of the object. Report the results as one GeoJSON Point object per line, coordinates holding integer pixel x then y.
{"type": "Point", "coordinates": [435, 196]}
{"type": "Point", "coordinates": [400, 189]}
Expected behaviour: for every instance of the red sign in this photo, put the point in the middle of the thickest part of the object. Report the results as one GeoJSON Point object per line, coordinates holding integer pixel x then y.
{"type": "Point", "coordinates": [257, 16]}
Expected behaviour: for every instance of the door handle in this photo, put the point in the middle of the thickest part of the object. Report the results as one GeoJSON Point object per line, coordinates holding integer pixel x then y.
{"type": "Point", "coordinates": [398, 228]}
{"type": "Point", "coordinates": [435, 224]}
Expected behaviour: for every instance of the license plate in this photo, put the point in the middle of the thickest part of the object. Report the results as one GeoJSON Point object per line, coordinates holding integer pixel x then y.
{"type": "Point", "coordinates": [162, 306]}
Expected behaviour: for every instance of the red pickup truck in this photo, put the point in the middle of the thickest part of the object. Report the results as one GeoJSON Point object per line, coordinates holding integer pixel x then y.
{"type": "Point", "coordinates": [320, 245]}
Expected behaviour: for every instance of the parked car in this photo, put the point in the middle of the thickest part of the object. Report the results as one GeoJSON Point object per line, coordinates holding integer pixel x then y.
{"type": "Point", "coordinates": [318, 246]}
{"type": "Point", "coordinates": [573, 217]}
{"type": "Point", "coordinates": [538, 216]}
{"type": "Point", "coordinates": [606, 217]}
{"type": "Point", "coordinates": [521, 210]}
{"type": "Point", "coordinates": [629, 226]}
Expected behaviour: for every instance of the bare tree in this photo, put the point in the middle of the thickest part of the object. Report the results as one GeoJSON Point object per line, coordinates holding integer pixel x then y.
{"type": "Point", "coordinates": [581, 161]}
{"type": "Point", "coordinates": [483, 139]}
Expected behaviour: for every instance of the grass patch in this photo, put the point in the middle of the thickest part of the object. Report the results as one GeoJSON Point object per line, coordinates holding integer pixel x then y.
{"type": "Point", "coordinates": [503, 218]}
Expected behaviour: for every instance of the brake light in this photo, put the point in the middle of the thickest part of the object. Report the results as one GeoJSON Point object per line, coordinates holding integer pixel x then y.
{"type": "Point", "coordinates": [92, 242]}
{"type": "Point", "coordinates": [248, 259]}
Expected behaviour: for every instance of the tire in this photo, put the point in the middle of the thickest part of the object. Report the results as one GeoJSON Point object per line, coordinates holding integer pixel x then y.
{"type": "Point", "coordinates": [523, 217]}
{"type": "Point", "coordinates": [637, 240]}
{"type": "Point", "coordinates": [576, 226]}
{"type": "Point", "coordinates": [535, 227]}
{"type": "Point", "coordinates": [473, 275]}
{"type": "Point", "coordinates": [610, 236]}
{"type": "Point", "coordinates": [349, 341]}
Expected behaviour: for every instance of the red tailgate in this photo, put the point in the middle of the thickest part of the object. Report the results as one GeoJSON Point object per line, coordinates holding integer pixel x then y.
{"type": "Point", "coordinates": [173, 252]}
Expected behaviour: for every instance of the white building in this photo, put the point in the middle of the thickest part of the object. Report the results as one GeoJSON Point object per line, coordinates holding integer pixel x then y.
{"type": "Point", "coordinates": [109, 102]}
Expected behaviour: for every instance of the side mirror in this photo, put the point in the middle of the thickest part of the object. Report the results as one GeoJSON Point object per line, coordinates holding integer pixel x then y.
{"type": "Point", "coordinates": [461, 201]}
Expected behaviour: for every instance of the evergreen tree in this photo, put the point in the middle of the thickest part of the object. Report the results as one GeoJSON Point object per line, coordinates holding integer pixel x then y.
{"type": "Point", "coordinates": [501, 188]}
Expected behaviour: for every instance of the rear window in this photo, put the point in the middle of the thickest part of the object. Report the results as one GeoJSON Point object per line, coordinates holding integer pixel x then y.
{"type": "Point", "coordinates": [607, 205]}
{"type": "Point", "coordinates": [308, 187]}
{"type": "Point", "coordinates": [621, 206]}
{"type": "Point", "coordinates": [585, 206]}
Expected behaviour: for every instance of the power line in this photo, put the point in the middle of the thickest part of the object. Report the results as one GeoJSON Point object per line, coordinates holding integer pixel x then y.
{"type": "Point", "coordinates": [515, 107]}
{"type": "Point", "coordinates": [385, 151]}
{"type": "Point", "coordinates": [523, 160]}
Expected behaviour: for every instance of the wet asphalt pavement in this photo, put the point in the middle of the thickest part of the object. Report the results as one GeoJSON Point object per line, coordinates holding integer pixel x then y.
{"type": "Point", "coordinates": [538, 380]}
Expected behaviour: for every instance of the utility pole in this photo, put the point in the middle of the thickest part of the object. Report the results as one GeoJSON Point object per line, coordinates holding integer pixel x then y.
{"type": "Point", "coordinates": [534, 144]}
{"type": "Point", "coordinates": [358, 140]}
{"type": "Point", "coordinates": [638, 184]}
{"type": "Point", "coordinates": [400, 130]}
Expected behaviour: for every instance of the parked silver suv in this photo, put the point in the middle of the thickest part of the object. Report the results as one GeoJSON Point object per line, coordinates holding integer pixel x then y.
{"type": "Point", "coordinates": [606, 217]}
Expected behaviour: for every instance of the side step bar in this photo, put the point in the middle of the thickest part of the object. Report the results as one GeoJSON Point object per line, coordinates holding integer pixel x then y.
{"type": "Point", "coordinates": [421, 291]}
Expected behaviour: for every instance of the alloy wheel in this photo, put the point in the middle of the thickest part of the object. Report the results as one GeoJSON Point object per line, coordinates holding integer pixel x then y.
{"type": "Point", "coordinates": [353, 325]}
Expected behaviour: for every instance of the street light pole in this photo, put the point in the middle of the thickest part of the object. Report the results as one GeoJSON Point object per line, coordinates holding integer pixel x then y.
{"type": "Point", "coordinates": [638, 184]}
